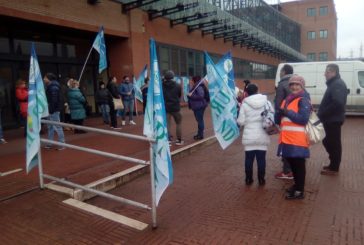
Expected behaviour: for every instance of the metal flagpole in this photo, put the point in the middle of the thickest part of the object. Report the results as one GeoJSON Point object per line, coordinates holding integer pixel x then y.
{"type": "Point", "coordinates": [152, 181]}
{"type": "Point", "coordinates": [201, 81]}
{"type": "Point", "coordinates": [84, 65]}
{"type": "Point", "coordinates": [136, 106]}
{"type": "Point", "coordinates": [40, 169]}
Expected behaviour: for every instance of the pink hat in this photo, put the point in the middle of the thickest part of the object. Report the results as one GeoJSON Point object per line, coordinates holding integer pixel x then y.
{"type": "Point", "coordinates": [297, 80]}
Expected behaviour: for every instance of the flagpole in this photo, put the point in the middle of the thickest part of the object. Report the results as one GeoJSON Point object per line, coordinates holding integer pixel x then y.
{"type": "Point", "coordinates": [136, 107]}
{"type": "Point", "coordinates": [40, 169]}
{"type": "Point", "coordinates": [152, 183]}
{"type": "Point", "coordinates": [84, 65]}
{"type": "Point", "coordinates": [199, 83]}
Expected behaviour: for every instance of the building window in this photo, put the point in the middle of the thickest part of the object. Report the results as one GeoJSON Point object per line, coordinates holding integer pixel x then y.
{"type": "Point", "coordinates": [311, 56]}
{"type": "Point", "coordinates": [311, 12]}
{"type": "Point", "coordinates": [323, 56]}
{"type": "Point", "coordinates": [4, 45]}
{"type": "Point", "coordinates": [311, 35]}
{"type": "Point", "coordinates": [323, 34]}
{"type": "Point", "coordinates": [323, 10]}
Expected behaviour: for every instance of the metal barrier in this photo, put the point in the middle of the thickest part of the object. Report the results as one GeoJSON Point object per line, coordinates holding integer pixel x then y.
{"type": "Point", "coordinates": [43, 176]}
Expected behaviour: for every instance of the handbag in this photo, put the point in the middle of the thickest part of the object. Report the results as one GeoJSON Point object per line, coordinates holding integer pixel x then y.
{"type": "Point", "coordinates": [118, 104]}
{"type": "Point", "coordinates": [314, 129]}
{"type": "Point", "coordinates": [268, 120]}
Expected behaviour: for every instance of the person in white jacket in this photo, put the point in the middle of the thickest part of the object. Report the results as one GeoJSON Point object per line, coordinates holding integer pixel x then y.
{"type": "Point", "coordinates": [255, 139]}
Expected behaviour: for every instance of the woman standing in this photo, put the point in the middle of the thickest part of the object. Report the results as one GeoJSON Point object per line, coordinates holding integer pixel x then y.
{"type": "Point", "coordinates": [103, 97]}
{"type": "Point", "coordinates": [293, 116]}
{"type": "Point", "coordinates": [113, 89]}
{"type": "Point", "coordinates": [76, 102]}
{"type": "Point", "coordinates": [255, 139]}
{"type": "Point", "coordinates": [21, 94]}
{"type": "Point", "coordinates": [198, 104]}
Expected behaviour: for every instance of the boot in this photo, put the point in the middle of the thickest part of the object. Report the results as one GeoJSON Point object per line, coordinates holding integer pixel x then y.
{"type": "Point", "coordinates": [261, 178]}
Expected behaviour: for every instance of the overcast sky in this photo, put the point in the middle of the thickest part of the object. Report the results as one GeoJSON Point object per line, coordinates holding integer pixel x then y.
{"type": "Point", "coordinates": [350, 33]}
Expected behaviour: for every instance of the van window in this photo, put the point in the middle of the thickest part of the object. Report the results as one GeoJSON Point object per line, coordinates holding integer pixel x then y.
{"type": "Point", "coordinates": [361, 78]}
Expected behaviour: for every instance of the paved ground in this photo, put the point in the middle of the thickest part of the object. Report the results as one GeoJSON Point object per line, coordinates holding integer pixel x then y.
{"type": "Point", "coordinates": [208, 202]}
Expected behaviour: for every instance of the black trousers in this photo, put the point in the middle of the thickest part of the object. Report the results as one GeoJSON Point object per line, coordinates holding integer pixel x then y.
{"type": "Point", "coordinates": [113, 121]}
{"type": "Point", "coordinates": [298, 166]}
{"type": "Point", "coordinates": [332, 144]}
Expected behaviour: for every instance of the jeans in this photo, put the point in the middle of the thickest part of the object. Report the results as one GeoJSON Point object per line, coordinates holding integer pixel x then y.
{"type": "Point", "coordinates": [249, 160]}
{"type": "Point", "coordinates": [200, 123]}
{"type": "Point", "coordinates": [51, 128]}
{"type": "Point", "coordinates": [299, 172]}
{"type": "Point", "coordinates": [332, 144]}
{"type": "Point", "coordinates": [1, 128]}
{"type": "Point", "coordinates": [105, 110]}
{"type": "Point", "coordinates": [128, 105]}
{"type": "Point", "coordinates": [177, 116]}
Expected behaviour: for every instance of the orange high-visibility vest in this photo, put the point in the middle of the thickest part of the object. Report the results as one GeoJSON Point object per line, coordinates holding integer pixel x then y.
{"type": "Point", "coordinates": [292, 133]}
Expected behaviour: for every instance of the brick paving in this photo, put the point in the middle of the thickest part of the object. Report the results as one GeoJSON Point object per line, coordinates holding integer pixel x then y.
{"type": "Point", "coordinates": [208, 202]}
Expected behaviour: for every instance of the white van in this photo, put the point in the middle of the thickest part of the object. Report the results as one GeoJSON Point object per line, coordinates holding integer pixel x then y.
{"type": "Point", "coordinates": [352, 73]}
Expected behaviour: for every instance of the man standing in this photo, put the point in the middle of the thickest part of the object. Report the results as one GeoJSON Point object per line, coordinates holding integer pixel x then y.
{"type": "Point", "coordinates": [281, 93]}
{"type": "Point", "coordinates": [127, 92]}
{"type": "Point", "coordinates": [332, 114]}
{"type": "Point", "coordinates": [172, 97]}
{"type": "Point", "coordinates": [53, 92]}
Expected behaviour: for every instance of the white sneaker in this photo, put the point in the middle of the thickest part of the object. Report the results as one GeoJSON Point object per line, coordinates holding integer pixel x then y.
{"type": "Point", "coordinates": [123, 123]}
{"type": "Point", "coordinates": [3, 141]}
{"type": "Point", "coordinates": [132, 122]}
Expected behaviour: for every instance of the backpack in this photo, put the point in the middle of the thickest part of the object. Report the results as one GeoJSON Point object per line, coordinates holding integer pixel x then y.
{"type": "Point", "coordinates": [206, 93]}
{"type": "Point", "coordinates": [268, 120]}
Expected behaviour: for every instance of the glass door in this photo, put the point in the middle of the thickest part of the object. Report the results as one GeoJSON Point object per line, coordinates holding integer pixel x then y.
{"type": "Point", "coordinates": [7, 94]}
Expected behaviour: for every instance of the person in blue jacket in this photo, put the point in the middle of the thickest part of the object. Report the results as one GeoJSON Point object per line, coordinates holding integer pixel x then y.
{"type": "Point", "coordinates": [126, 89]}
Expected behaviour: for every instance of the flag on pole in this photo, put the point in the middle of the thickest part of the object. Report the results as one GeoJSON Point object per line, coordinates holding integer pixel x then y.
{"type": "Point", "coordinates": [138, 83]}
{"type": "Point", "coordinates": [99, 45]}
{"type": "Point", "coordinates": [155, 127]}
{"type": "Point", "coordinates": [37, 108]}
{"type": "Point", "coordinates": [223, 106]}
{"type": "Point", "coordinates": [186, 88]}
{"type": "Point", "coordinates": [226, 70]}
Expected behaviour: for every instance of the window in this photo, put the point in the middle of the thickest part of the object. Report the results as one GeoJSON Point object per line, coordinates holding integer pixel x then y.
{"type": "Point", "coordinates": [323, 34]}
{"type": "Point", "coordinates": [311, 12]}
{"type": "Point", "coordinates": [311, 35]}
{"type": "Point", "coordinates": [4, 45]}
{"type": "Point", "coordinates": [311, 56]}
{"type": "Point", "coordinates": [323, 10]}
{"type": "Point", "coordinates": [22, 47]}
{"type": "Point", "coordinates": [323, 56]}
{"type": "Point", "coordinates": [361, 78]}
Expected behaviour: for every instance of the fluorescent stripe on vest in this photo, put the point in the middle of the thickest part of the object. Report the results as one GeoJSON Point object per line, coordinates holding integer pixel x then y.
{"type": "Point", "coordinates": [292, 133]}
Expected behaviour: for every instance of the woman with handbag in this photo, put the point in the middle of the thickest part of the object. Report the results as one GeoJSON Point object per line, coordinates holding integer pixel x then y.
{"type": "Point", "coordinates": [113, 89]}
{"type": "Point", "coordinates": [293, 116]}
{"type": "Point", "coordinates": [76, 102]}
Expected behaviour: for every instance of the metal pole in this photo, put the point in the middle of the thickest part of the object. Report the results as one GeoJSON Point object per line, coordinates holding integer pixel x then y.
{"type": "Point", "coordinates": [152, 182]}
{"type": "Point", "coordinates": [100, 193]}
{"type": "Point", "coordinates": [97, 152]}
{"type": "Point", "coordinates": [83, 68]}
{"type": "Point", "coordinates": [40, 169]}
{"type": "Point", "coordinates": [97, 130]}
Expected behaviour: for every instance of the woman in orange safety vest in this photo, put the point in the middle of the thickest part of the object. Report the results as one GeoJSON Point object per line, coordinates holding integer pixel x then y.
{"type": "Point", "coordinates": [293, 143]}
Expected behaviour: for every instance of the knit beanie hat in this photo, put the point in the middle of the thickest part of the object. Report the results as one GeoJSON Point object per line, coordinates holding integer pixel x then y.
{"type": "Point", "coordinates": [297, 80]}
{"type": "Point", "coordinates": [251, 89]}
{"type": "Point", "coordinates": [169, 75]}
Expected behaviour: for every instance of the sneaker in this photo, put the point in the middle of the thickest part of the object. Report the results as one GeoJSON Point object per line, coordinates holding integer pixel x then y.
{"type": "Point", "coordinates": [329, 172]}
{"type": "Point", "coordinates": [117, 128]}
{"type": "Point", "coordinates": [132, 122]}
{"type": "Point", "coordinates": [282, 175]}
{"type": "Point", "coordinates": [123, 123]}
{"type": "Point", "coordinates": [197, 137]}
{"type": "Point", "coordinates": [179, 142]}
{"type": "Point", "coordinates": [47, 147]}
{"type": "Point", "coordinates": [261, 181]}
{"type": "Point", "coordinates": [248, 181]}
{"type": "Point", "coordinates": [3, 141]}
{"type": "Point", "coordinates": [295, 195]}
{"type": "Point", "coordinates": [61, 148]}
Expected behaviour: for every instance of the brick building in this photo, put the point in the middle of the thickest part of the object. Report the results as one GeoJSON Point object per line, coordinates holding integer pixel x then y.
{"type": "Point", "coordinates": [63, 32]}
{"type": "Point", "coordinates": [318, 22]}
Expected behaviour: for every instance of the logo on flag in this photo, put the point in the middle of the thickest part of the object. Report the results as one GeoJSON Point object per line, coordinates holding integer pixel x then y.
{"type": "Point", "coordinates": [223, 105]}
{"type": "Point", "coordinates": [155, 127]}
{"type": "Point", "coordinates": [99, 45]}
{"type": "Point", "coordinates": [37, 108]}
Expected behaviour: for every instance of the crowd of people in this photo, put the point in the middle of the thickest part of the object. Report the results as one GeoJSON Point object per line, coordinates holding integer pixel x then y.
{"type": "Point", "coordinates": [291, 110]}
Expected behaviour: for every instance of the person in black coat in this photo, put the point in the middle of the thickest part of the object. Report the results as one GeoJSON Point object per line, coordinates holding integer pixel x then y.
{"type": "Point", "coordinates": [144, 90]}
{"type": "Point", "coordinates": [172, 96]}
{"type": "Point", "coordinates": [103, 98]}
{"type": "Point", "coordinates": [113, 89]}
{"type": "Point", "coordinates": [332, 114]}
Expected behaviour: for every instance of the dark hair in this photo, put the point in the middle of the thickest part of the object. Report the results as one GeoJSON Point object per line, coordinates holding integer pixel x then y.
{"type": "Point", "coordinates": [196, 79]}
{"type": "Point", "coordinates": [251, 89]}
{"type": "Point", "coordinates": [111, 78]}
{"type": "Point", "coordinates": [101, 83]}
{"type": "Point", "coordinates": [334, 68]}
{"type": "Point", "coordinates": [287, 69]}
{"type": "Point", "coordinates": [125, 77]}
{"type": "Point", "coordinates": [146, 80]}
{"type": "Point", "coordinates": [50, 76]}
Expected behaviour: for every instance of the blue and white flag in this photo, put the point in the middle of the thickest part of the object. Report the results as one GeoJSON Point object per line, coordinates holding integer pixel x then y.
{"type": "Point", "coordinates": [138, 83]}
{"type": "Point", "coordinates": [226, 70]}
{"type": "Point", "coordinates": [223, 106]}
{"type": "Point", "coordinates": [99, 45]}
{"type": "Point", "coordinates": [37, 108]}
{"type": "Point", "coordinates": [155, 126]}
{"type": "Point", "coordinates": [186, 88]}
